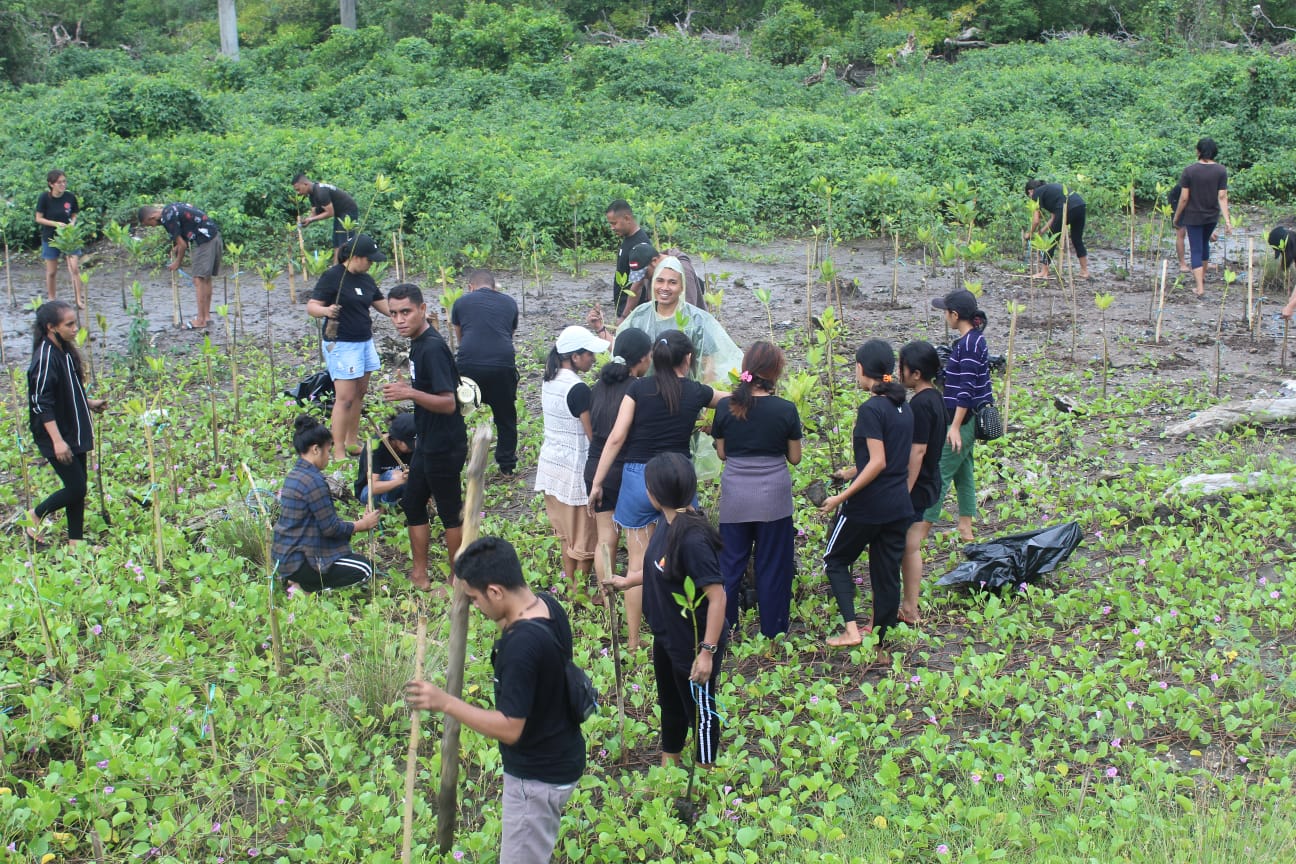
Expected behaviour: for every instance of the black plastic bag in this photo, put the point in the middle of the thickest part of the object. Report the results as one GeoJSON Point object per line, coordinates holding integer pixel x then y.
{"type": "Point", "coordinates": [316, 388]}
{"type": "Point", "coordinates": [1015, 559]}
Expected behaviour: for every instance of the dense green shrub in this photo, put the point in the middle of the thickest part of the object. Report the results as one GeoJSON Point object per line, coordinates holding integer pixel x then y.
{"type": "Point", "coordinates": [788, 36]}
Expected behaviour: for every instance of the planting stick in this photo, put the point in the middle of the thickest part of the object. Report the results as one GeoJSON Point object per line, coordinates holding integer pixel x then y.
{"type": "Point", "coordinates": [96, 844]}
{"type": "Point", "coordinates": [1161, 302]}
{"type": "Point", "coordinates": [411, 756]}
{"type": "Point", "coordinates": [809, 295]}
{"type": "Point", "coordinates": [447, 795]}
{"type": "Point", "coordinates": [175, 300]}
{"type": "Point", "coordinates": [1131, 249]}
{"type": "Point", "coordinates": [292, 283]}
{"type": "Point", "coordinates": [154, 498]}
{"type": "Point", "coordinates": [9, 277]}
{"type": "Point", "coordinates": [386, 441]}
{"type": "Point", "coordinates": [103, 501]}
{"type": "Point", "coordinates": [301, 244]}
{"type": "Point", "coordinates": [610, 600]}
{"type": "Point", "coordinates": [1286, 327]}
{"type": "Point", "coordinates": [1250, 278]}
{"type": "Point", "coordinates": [1013, 308]}
{"type": "Point", "coordinates": [2, 348]}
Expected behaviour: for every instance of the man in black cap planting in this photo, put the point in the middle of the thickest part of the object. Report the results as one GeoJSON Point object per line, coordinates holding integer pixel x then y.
{"type": "Point", "coordinates": [392, 474]}
{"type": "Point", "coordinates": [190, 228]}
{"type": "Point", "coordinates": [967, 388]}
{"type": "Point", "coordinates": [328, 202]}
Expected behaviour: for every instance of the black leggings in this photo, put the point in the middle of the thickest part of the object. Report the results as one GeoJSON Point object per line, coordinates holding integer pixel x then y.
{"type": "Point", "coordinates": [680, 705]}
{"type": "Point", "coordinates": [885, 545]}
{"type": "Point", "coordinates": [71, 497]}
{"type": "Point", "coordinates": [349, 570]}
{"type": "Point", "coordinates": [1075, 219]}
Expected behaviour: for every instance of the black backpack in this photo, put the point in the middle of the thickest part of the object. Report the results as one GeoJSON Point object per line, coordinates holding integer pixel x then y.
{"type": "Point", "coordinates": [582, 695]}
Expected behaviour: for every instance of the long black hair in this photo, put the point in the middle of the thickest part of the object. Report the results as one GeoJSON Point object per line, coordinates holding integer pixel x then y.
{"type": "Point", "coordinates": [877, 359]}
{"type": "Point", "coordinates": [672, 482]}
{"type": "Point", "coordinates": [555, 361]}
{"type": "Point", "coordinates": [919, 356]}
{"type": "Point", "coordinates": [631, 346]}
{"type": "Point", "coordinates": [761, 367]}
{"type": "Point", "coordinates": [670, 350]}
{"type": "Point", "coordinates": [49, 315]}
{"type": "Point", "coordinates": [307, 432]}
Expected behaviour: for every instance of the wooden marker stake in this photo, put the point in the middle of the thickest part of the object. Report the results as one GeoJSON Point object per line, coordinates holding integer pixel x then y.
{"type": "Point", "coordinates": [176, 315]}
{"type": "Point", "coordinates": [610, 599]}
{"type": "Point", "coordinates": [411, 756]}
{"type": "Point", "coordinates": [1161, 302]}
{"type": "Point", "coordinates": [448, 794]}
{"type": "Point", "coordinates": [1250, 279]}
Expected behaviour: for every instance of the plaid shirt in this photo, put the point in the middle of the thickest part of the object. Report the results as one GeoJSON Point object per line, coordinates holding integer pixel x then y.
{"type": "Point", "coordinates": [308, 528]}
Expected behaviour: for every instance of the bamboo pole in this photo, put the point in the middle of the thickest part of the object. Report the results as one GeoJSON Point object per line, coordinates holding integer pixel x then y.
{"type": "Point", "coordinates": [301, 244]}
{"type": "Point", "coordinates": [276, 645]}
{"type": "Point", "coordinates": [1250, 279]}
{"type": "Point", "coordinates": [9, 277]}
{"type": "Point", "coordinates": [176, 314]}
{"type": "Point", "coordinates": [1131, 246]}
{"type": "Point", "coordinates": [411, 756]}
{"type": "Point", "coordinates": [614, 630]}
{"type": "Point", "coordinates": [1161, 303]}
{"type": "Point", "coordinates": [1014, 308]}
{"type": "Point", "coordinates": [448, 793]}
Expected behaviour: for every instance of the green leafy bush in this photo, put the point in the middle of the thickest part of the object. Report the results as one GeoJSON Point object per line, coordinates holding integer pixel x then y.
{"type": "Point", "coordinates": [788, 36]}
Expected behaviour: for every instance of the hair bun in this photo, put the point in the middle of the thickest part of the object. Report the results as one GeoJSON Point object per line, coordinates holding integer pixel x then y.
{"type": "Point", "coordinates": [304, 422]}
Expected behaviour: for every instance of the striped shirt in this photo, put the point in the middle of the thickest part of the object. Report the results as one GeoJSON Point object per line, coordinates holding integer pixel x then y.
{"type": "Point", "coordinates": [55, 392]}
{"type": "Point", "coordinates": [967, 374]}
{"type": "Point", "coordinates": [308, 528]}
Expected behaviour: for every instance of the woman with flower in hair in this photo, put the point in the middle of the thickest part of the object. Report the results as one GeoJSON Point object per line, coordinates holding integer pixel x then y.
{"type": "Point", "coordinates": [758, 434]}
{"type": "Point", "coordinates": [874, 512]}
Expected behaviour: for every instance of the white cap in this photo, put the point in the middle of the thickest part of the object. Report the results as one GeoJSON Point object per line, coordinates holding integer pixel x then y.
{"type": "Point", "coordinates": [577, 338]}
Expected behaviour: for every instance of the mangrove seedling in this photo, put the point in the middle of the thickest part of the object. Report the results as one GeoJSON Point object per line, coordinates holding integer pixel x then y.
{"type": "Point", "coordinates": [1103, 301]}
{"type": "Point", "coordinates": [763, 295]}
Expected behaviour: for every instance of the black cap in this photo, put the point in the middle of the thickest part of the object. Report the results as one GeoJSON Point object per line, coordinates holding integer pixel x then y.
{"type": "Point", "coordinates": [641, 258]}
{"type": "Point", "coordinates": [962, 302]}
{"type": "Point", "coordinates": [361, 246]}
{"type": "Point", "coordinates": [402, 429]}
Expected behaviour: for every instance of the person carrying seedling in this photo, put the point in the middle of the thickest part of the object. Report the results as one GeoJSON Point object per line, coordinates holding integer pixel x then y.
{"type": "Point", "coordinates": [328, 202]}
{"type": "Point", "coordinates": [484, 321]}
{"type": "Point", "coordinates": [311, 548]}
{"type": "Point", "coordinates": [1052, 199]}
{"type": "Point", "coordinates": [190, 228]}
{"type": "Point", "coordinates": [621, 220]}
{"type": "Point", "coordinates": [388, 457]}
{"type": "Point", "coordinates": [540, 741]}
{"type": "Point", "coordinates": [436, 467]}
{"type": "Point", "coordinates": [59, 414]}
{"type": "Point", "coordinates": [55, 207]}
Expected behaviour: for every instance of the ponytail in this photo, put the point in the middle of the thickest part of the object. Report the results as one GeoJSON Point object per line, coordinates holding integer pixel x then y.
{"type": "Point", "coordinates": [761, 367]}
{"type": "Point", "coordinates": [893, 390]}
{"type": "Point", "coordinates": [670, 350]}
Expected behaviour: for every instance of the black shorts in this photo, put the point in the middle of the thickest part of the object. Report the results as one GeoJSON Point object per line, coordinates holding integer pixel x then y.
{"type": "Point", "coordinates": [611, 485]}
{"type": "Point", "coordinates": [437, 477]}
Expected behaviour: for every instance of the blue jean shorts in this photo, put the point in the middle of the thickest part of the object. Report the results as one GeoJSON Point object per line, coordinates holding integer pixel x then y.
{"type": "Point", "coordinates": [633, 509]}
{"type": "Point", "coordinates": [348, 361]}
{"type": "Point", "coordinates": [49, 253]}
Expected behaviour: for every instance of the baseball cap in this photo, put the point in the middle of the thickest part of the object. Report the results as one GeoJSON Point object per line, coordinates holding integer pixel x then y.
{"type": "Point", "coordinates": [402, 429]}
{"type": "Point", "coordinates": [962, 302]}
{"type": "Point", "coordinates": [576, 338]}
{"type": "Point", "coordinates": [362, 246]}
{"type": "Point", "coordinates": [641, 258]}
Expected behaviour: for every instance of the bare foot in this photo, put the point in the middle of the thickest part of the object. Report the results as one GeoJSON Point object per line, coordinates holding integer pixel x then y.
{"type": "Point", "coordinates": [1039, 274]}
{"type": "Point", "coordinates": [420, 581]}
{"type": "Point", "coordinates": [909, 616]}
{"type": "Point", "coordinates": [849, 638]}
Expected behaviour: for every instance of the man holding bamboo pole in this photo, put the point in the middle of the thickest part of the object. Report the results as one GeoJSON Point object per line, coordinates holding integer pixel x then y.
{"type": "Point", "coordinates": [328, 202]}
{"type": "Point", "coordinates": [541, 745]}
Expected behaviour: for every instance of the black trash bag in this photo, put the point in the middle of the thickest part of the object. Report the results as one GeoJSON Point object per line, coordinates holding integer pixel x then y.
{"type": "Point", "coordinates": [317, 388]}
{"type": "Point", "coordinates": [1012, 560]}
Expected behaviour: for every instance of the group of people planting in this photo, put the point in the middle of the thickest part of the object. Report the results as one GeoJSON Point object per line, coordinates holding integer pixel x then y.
{"type": "Point", "coordinates": [624, 454]}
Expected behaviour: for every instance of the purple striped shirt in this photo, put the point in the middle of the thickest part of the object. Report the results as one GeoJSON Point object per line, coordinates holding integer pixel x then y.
{"type": "Point", "coordinates": [967, 374]}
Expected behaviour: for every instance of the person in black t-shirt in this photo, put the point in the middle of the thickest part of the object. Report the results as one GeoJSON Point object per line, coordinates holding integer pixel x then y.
{"type": "Point", "coordinates": [657, 415]}
{"type": "Point", "coordinates": [1203, 200]}
{"type": "Point", "coordinates": [344, 295]}
{"type": "Point", "coordinates": [190, 229]}
{"type": "Point", "coordinates": [391, 467]}
{"type": "Point", "coordinates": [55, 207]}
{"type": "Point", "coordinates": [328, 202]}
{"type": "Point", "coordinates": [621, 220]}
{"type": "Point", "coordinates": [874, 512]}
{"type": "Point", "coordinates": [758, 434]}
{"type": "Point", "coordinates": [919, 364]}
{"type": "Point", "coordinates": [540, 741]}
{"type": "Point", "coordinates": [484, 321]}
{"type": "Point", "coordinates": [1054, 200]}
{"type": "Point", "coordinates": [436, 468]}
{"type": "Point", "coordinates": [688, 642]}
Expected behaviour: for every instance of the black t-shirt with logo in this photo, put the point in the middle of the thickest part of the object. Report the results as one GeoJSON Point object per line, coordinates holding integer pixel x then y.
{"type": "Point", "coordinates": [677, 630]}
{"type": "Point", "coordinates": [655, 430]}
{"type": "Point", "coordinates": [441, 437]}
{"type": "Point", "coordinates": [928, 409]}
{"type": "Point", "coordinates": [60, 209]}
{"type": "Point", "coordinates": [530, 660]}
{"type": "Point", "coordinates": [488, 320]}
{"type": "Point", "coordinates": [323, 194]}
{"type": "Point", "coordinates": [187, 221]}
{"type": "Point", "coordinates": [619, 297]}
{"type": "Point", "coordinates": [886, 499]}
{"type": "Point", "coordinates": [358, 293]}
{"type": "Point", "coordinates": [1051, 197]}
{"type": "Point", "coordinates": [771, 422]}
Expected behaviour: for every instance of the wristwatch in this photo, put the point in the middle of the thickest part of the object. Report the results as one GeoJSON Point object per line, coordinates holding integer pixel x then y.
{"type": "Point", "coordinates": [709, 647]}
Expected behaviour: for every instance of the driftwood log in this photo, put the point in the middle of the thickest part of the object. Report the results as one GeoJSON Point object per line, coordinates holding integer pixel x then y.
{"type": "Point", "coordinates": [1247, 412]}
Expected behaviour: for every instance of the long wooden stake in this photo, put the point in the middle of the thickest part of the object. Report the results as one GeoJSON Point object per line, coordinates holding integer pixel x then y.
{"type": "Point", "coordinates": [1250, 279]}
{"type": "Point", "coordinates": [276, 646]}
{"type": "Point", "coordinates": [411, 756]}
{"type": "Point", "coordinates": [610, 600]}
{"type": "Point", "coordinates": [9, 277]}
{"type": "Point", "coordinates": [1161, 302]}
{"type": "Point", "coordinates": [1286, 327]}
{"type": "Point", "coordinates": [175, 300]}
{"type": "Point", "coordinates": [386, 441]}
{"type": "Point", "coordinates": [1008, 370]}
{"type": "Point", "coordinates": [1132, 216]}
{"type": "Point", "coordinates": [301, 244]}
{"type": "Point", "coordinates": [448, 794]}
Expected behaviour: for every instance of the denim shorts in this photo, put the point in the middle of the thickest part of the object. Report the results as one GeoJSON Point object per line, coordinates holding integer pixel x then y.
{"type": "Point", "coordinates": [49, 253]}
{"type": "Point", "coordinates": [633, 509]}
{"type": "Point", "coordinates": [348, 361]}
